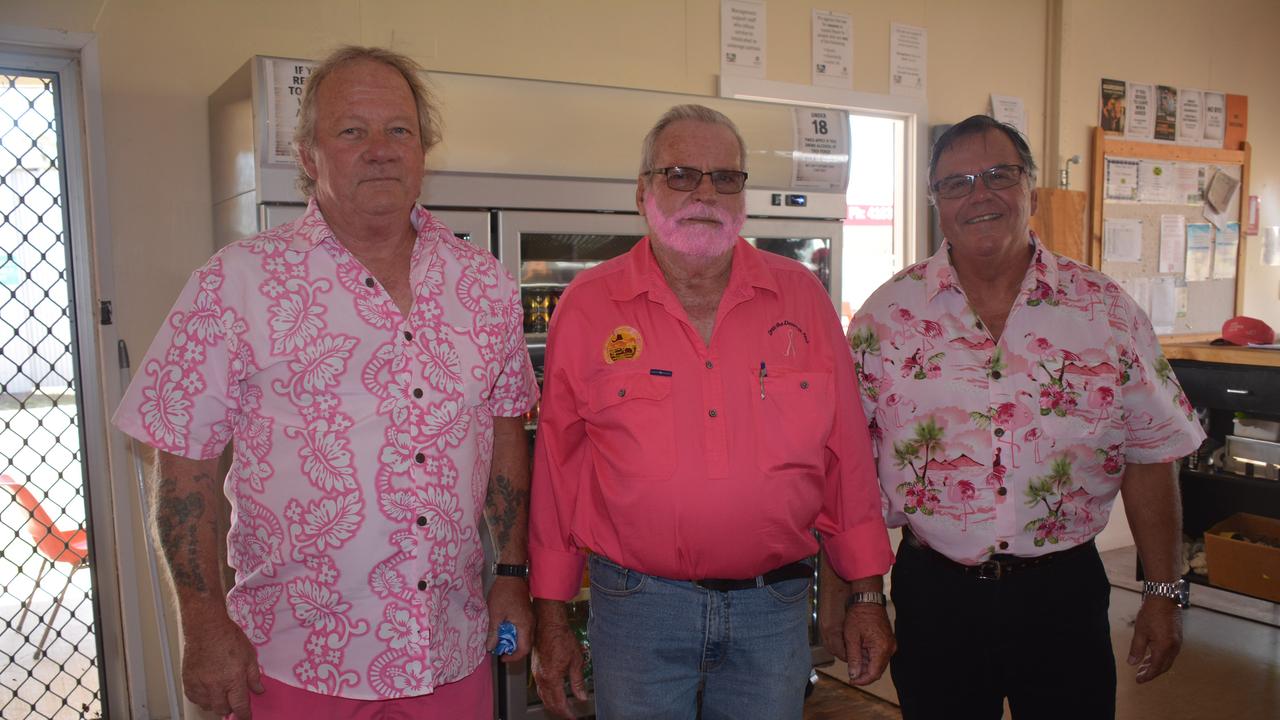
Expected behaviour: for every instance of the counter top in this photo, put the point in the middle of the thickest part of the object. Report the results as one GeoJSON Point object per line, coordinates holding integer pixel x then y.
{"type": "Point", "coordinates": [1230, 354]}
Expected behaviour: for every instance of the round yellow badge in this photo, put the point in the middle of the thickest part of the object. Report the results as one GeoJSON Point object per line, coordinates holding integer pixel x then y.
{"type": "Point", "coordinates": [624, 343]}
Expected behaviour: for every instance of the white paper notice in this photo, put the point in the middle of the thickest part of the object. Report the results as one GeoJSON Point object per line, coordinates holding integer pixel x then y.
{"type": "Point", "coordinates": [1225, 249]}
{"type": "Point", "coordinates": [1199, 251]}
{"type": "Point", "coordinates": [285, 80]}
{"type": "Point", "coordinates": [1122, 240]}
{"type": "Point", "coordinates": [1173, 244]}
{"type": "Point", "coordinates": [1008, 109]}
{"type": "Point", "coordinates": [908, 56]}
{"type": "Point", "coordinates": [1215, 118]}
{"type": "Point", "coordinates": [1141, 122]}
{"type": "Point", "coordinates": [742, 38]}
{"type": "Point", "coordinates": [832, 49]}
{"type": "Point", "coordinates": [1155, 182]}
{"type": "Point", "coordinates": [1180, 296]}
{"type": "Point", "coordinates": [820, 160]}
{"type": "Point", "coordinates": [1122, 179]}
{"type": "Point", "coordinates": [1271, 246]}
{"type": "Point", "coordinates": [1188, 183]}
{"type": "Point", "coordinates": [1164, 304]}
{"type": "Point", "coordinates": [1190, 116]}
{"type": "Point", "coordinates": [1139, 288]}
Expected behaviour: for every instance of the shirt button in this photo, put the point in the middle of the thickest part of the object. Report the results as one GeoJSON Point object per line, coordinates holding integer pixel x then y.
{"type": "Point", "coordinates": [419, 458]}
{"type": "Point", "coordinates": [417, 392]}
{"type": "Point", "coordinates": [978, 324]}
{"type": "Point", "coordinates": [1002, 491]}
{"type": "Point", "coordinates": [999, 432]}
{"type": "Point", "coordinates": [804, 384]}
{"type": "Point", "coordinates": [422, 584]}
{"type": "Point", "coordinates": [622, 392]}
{"type": "Point", "coordinates": [995, 374]}
{"type": "Point", "coordinates": [408, 335]}
{"type": "Point", "coordinates": [1004, 545]}
{"type": "Point", "coordinates": [711, 412]}
{"type": "Point", "coordinates": [709, 365]}
{"type": "Point", "coordinates": [422, 520]}
{"type": "Point", "coordinates": [369, 282]}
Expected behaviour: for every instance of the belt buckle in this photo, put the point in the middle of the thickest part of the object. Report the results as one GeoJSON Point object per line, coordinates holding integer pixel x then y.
{"type": "Point", "coordinates": [990, 570]}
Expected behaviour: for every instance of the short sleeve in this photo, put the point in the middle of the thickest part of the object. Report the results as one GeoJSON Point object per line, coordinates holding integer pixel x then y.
{"type": "Point", "coordinates": [1160, 422]}
{"type": "Point", "coordinates": [184, 396]}
{"type": "Point", "coordinates": [516, 388]}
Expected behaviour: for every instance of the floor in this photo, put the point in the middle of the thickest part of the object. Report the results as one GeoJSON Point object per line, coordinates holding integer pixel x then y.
{"type": "Point", "coordinates": [1229, 666]}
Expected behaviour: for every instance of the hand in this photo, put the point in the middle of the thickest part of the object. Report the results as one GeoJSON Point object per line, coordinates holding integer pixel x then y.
{"type": "Point", "coordinates": [509, 600]}
{"type": "Point", "coordinates": [1157, 637]}
{"type": "Point", "coordinates": [832, 594]}
{"type": "Point", "coordinates": [219, 667]}
{"type": "Point", "coordinates": [868, 642]}
{"type": "Point", "coordinates": [557, 653]}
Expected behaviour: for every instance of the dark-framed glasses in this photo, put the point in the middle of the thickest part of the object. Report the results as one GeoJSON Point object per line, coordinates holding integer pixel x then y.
{"type": "Point", "coordinates": [683, 179]}
{"type": "Point", "coordinates": [999, 177]}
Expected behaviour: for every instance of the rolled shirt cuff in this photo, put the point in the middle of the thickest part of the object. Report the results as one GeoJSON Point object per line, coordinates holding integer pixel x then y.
{"type": "Point", "coordinates": [555, 574]}
{"type": "Point", "coordinates": [859, 552]}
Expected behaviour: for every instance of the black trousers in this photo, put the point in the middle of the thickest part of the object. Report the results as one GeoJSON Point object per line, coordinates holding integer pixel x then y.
{"type": "Point", "coordinates": [1039, 637]}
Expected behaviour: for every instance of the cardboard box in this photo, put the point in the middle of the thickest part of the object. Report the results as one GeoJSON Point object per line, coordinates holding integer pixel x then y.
{"type": "Point", "coordinates": [1245, 567]}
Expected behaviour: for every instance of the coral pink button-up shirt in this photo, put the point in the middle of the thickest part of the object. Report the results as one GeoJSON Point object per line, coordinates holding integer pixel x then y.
{"type": "Point", "coordinates": [363, 443]}
{"type": "Point", "coordinates": [687, 460]}
{"type": "Point", "coordinates": [1018, 446]}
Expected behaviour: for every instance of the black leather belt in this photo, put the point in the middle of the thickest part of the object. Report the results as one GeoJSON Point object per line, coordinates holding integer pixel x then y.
{"type": "Point", "coordinates": [997, 566]}
{"type": "Point", "coordinates": [793, 571]}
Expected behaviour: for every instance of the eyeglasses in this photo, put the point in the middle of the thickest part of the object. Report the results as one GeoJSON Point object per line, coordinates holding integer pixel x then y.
{"type": "Point", "coordinates": [999, 177]}
{"type": "Point", "coordinates": [683, 179]}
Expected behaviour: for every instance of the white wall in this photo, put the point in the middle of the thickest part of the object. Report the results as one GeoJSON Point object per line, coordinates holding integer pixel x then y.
{"type": "Point", "coordinates": [160, 60]}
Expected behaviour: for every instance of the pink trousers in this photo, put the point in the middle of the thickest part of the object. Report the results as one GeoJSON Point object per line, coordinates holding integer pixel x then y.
{"type": "Point", "coordinates": [470, 698]}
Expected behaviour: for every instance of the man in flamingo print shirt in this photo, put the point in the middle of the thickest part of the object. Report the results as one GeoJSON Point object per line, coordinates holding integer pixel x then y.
{"type": "Point", "coordinates": [1036, 392]}
{"type": "Point", "coordinates": [370, 370]}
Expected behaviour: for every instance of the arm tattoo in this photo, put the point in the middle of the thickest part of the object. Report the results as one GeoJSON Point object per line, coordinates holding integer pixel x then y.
{"type": "Point", "coordinates": [178, 521]}
{"type": "Point", "coordinates": [501, 506]}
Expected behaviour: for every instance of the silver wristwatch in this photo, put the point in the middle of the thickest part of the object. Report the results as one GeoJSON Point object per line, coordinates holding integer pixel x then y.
{"type": "Point", "coordinates": [869, 596]}
{"type": "Point", "coordinates": [1178, 591]}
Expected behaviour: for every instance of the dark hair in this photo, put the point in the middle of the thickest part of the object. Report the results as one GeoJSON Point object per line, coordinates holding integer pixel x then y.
{"type": "Point", "coordinates": [979, 125]}
{"type": "Point", "coordinates": [428, 112]}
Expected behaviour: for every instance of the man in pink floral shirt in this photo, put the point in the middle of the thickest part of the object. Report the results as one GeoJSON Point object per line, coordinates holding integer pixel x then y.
{"type": "Point", "coordinates": [370, 370]}
{"type": "Point", "coordinates": [1011, 394]}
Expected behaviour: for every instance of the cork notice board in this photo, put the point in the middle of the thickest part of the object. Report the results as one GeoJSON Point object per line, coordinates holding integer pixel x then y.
{"type": "Point", "coordinates": [1137, 189]}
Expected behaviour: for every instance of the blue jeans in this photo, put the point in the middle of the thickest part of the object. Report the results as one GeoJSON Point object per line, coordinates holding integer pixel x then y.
{"type": "Point", "coordinates": [655, 643]}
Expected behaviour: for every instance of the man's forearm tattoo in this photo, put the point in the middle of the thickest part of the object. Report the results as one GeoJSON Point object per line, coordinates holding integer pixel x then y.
{"type": "Point", "coordinates": [178, 520]}
{"type": "Point", "coordinates": [502, 506]}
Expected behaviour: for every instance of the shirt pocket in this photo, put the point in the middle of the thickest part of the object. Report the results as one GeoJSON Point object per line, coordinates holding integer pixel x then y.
{"type": "Point", "coordinates": [630, 422]}
{"type": "Point", "coordinates": [794, 410]}
{"type": "Point", "coordinates": [1092, 432]}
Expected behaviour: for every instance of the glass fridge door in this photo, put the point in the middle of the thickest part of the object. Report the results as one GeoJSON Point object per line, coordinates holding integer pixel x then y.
{"type": "Point", "coordinates": [812, 243]}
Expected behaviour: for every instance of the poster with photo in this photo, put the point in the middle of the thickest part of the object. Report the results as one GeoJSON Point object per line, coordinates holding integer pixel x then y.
{"type": "Point", "coordinates": [1166, 113]}
{"type": "Point", "coordinates": [1111, 107]}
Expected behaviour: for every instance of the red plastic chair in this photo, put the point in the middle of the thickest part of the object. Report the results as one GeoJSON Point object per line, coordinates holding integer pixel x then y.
{"type": "Point", "coordinates": [53, 544]}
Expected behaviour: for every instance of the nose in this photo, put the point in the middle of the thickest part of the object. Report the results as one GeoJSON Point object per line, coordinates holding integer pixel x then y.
{"type": "Point", "coordinates": [705, 189]}
{"type": "Point", "coordinates": [379, 148]}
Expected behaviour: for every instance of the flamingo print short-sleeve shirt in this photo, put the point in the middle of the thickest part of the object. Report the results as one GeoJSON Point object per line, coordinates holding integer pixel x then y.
{"type": "Point", "coordinates": [362, 441]}
{"type": "Point", "coordinates": [1018, 446]}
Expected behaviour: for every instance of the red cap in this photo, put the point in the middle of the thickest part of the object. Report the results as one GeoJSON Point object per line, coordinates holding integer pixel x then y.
{"type": "Point", "coordinates": [1241, 330]}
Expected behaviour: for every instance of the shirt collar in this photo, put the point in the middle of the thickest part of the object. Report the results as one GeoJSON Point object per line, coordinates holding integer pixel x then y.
{"type": "Point", "coordinates": [643, 274]}
{"type": "Point", "coordinates": [311, 229]}
{"type": "Point", "coordinates": [940, 274]}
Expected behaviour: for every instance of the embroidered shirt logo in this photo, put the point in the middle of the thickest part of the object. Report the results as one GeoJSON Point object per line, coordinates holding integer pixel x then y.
{"type": "Point", "coordinates": [624, 343]}
{"type": "Point", "coordinates": [791, 332]}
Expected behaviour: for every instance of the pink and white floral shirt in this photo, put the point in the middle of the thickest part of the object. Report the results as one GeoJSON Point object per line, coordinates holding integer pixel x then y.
{"type": "Point", "coordinates": [1017, 446]}
{"type": "Point", "coordinates": [363, 443]}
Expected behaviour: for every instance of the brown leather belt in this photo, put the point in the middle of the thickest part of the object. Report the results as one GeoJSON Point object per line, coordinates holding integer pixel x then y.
{"type": "Point", "coordinates": [794, 571]}
{"type": "Point", "coordinates": [997, 566]}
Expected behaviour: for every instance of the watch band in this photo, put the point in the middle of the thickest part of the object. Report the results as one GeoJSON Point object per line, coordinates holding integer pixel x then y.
{"type": "Point", "coordinates": [1177, 591]}
{"type": "Point", "coordinates": [506, 570]}
{"type": "Point", "coordinates": [870, 597]}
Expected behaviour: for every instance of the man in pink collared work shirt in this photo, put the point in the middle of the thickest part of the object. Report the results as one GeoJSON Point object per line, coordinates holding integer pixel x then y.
{"type": "Point", "coordinates": [370, 370]}
{"type": "Point", "coordinates": [699, 422]}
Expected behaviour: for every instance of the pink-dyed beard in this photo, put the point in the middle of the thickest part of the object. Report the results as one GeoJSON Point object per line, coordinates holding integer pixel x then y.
{"type": "Point", "coordinates": [704, 240]}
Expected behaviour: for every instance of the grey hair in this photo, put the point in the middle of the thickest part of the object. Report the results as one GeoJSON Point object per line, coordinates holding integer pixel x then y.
{"type": "Point", "coordinates": [979, 125]}
{"type": "Point", "coordinates": [410, 70]}
{"type": "Point", "coordinates": [700, 113]}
